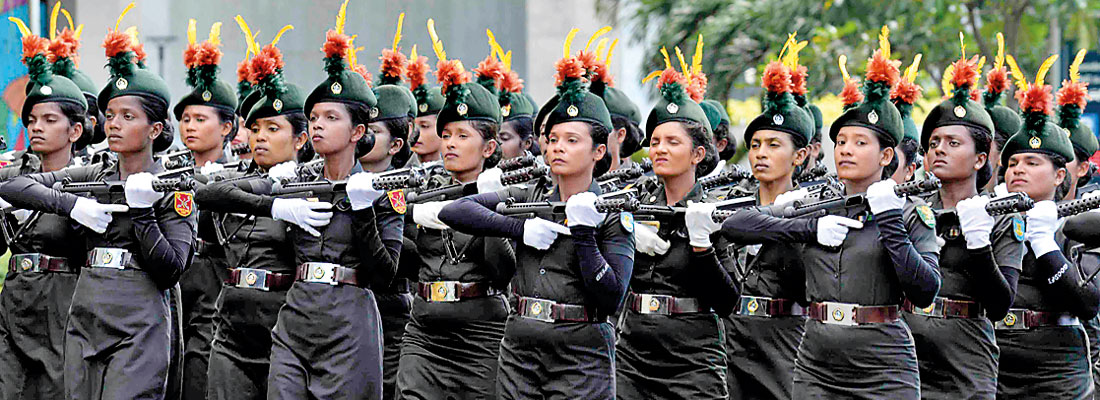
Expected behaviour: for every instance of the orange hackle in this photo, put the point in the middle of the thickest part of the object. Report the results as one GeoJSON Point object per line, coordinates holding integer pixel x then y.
{"type": "Point", "coordinates": [798, 80]}
{"type": "Point", "coordinates": [511, 82]}
{"type": "Point", "coordinates": [882, 69]}
{"type": "Point", "coordinates": [777, 78]}
{"type": "Point", "coordinates": [336, 44]}
{"type": "Point", "coordinates": [568, 68]}
{"type": "Point", "coordinates": [1037, 98]}
{"type": "Point", "coordinates": [851, 94]}
{"type": "Point", "coordinates": [117, 42]}
{"type": "Point", "coordinates": [65, 45]}
{"type": "Point", "coordinates": [450, 73]}
{"type": "Point", "coordinates": [394, 63]}
{"type": "Point", "coordinates": [1076, 93]}
{"type": "Point", "coordinates": [417, 71]}
{"type": "Point", "coordinates": [266, 63]}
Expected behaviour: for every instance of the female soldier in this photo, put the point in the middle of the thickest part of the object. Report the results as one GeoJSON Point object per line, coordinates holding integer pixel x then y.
{"type": "Point", "coordinates": [516, 132]}
{"type": "Point", "coordinates": [766, 326]}
{"type": "Point", "coordinates": [671, 343]}
{"type": "Point", "coordinates": [429, 100]}
{"type": "Point", "coordinates": [42, 271]}
{"type": "Point", "coordinates": [980, 258]}
{"type": "Point", "coordinates": [1044, 350]}
{"type": "Point", "coordinates": [453, 340]}
{"type": "Point", "coordinates": [855, 344]}
{"type": "Point", "coordinates": [327, 338]}
{"type": "Point", "coordinates": [119, 310]}
{"type": "Point", "coordinates": [258, 250]}
{"type": "Point", "coordinates": [559, 343]}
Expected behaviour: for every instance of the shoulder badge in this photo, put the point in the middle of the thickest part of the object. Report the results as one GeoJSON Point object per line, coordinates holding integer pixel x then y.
{"type": "Point", "coordinates": [183, 203]}
{"type": "Point", "coordinates": [1018, 228]}
{"type": "Point", "coordinates": [627, 219]}
{"type": "Point", "coordinates": [926, 216]}
{"type": "Point", "coordinates": [397, 200]}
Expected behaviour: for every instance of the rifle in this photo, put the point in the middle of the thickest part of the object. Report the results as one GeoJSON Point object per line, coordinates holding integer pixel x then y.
{"type": "Point", "coordinates": [516, 163]}
{"type": "Point", "coordinates": [620, 204]}
{"type": "Point", "coordinates": [287, 188]}
{"type": "Point", "coordinates": [465, 189]}
{"type": "Point", "coordinates": [109, 189]}
{"type": "Point", "coordinates": [732, 177]}
{"type": "Point", "coordinates": [799, 209]}
{"type": "Point", "coordinates": [817, 172]}
{"type": "Point", "coordinates": [176, 159]}
{"type": "Point", "coordinates": [240, 148]}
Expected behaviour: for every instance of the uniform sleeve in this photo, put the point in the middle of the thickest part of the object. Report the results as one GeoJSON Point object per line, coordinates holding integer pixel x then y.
{"type": "Point", "coordinates": [988, 267]}
{"type": "Point", "coordinates": [914, 253]}
{"type": "Point", "coordinates": [720, 291]}
{"type": "Point", "coordinates": [606, 264]}
{"type": "Point", "coordinates": [1081, 298]}
{"type": "Point", "coordinates": [750, 226]}
{"type": "Point", "coordinates": [248, 196]}
{"type": "Point", "coordinates": [35, 191]}
{"type": "Point", "coordinates": [165, 238]}
{"type": "Point", "coordinates": [379, 229]}
{"type": "Point", "coordinates": [475, 215]}
{"type": "Point", "coordinates": [1082, 228]}
{"type": "Point", "coordinates": [500, 256]}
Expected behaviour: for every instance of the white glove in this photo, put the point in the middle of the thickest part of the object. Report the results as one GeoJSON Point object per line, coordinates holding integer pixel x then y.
{"type": "Point", "coordinates": [647, 241]}
{"type": "Point", "coordinates": [427, 214]}
{"type": "Point", "coordinates": [283, 170]}
{"type": "Point", "coordinates": [489, 181]}
{"type": "Point", "coordinates": [93, 215]}
{"type": "Point", "coordinates": [361, 191]}
{"type": "Point", "coordinates": [881, 197]}
{"type": "Point", "coordinates": [4, 204]}
{"type": "Point", "coordinates": [308, 215]}
{"type": "Point", "coordinates": [21, 215]}
{"type": "Point", "coordinates": [1001, 190]}
{"type": "Point", "coordinates": [139, 191]}
{"type": "Point", "coordinates": [791, 195]}
{"type": "Point", "coordinates": [975, 221]}
{"type": "Point", "coordinates": [832, 229]}
{"type": "Point", "coordinates": [540, 233]}
{"type": "Point", "coordinates": [211, 168]}
{"type": "Point", "coordinates": [581, 210]}
{"type": "Point", "coordinates": [1042, 221]}
{"type": "Point", "coordinates": [700, 224]}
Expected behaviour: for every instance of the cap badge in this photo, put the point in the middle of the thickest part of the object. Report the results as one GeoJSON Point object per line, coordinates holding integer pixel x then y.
{"type": "Point", "coordinates": [277, 105]}
{"type": "Point", "coordinates": [1035, 142]}
{"type": "Point", "coordinates": [672, 108]}
{"type": "Point", "coordinates": [572, 111]}
{"type": "Point", "coordinates": [777, 119]}
{"type": "Point", "coordinates": [424, 107]}
{"type": "Point", "coordinates": [336, 88]}
{"type": "Point", "coordinates": [121, 84]}
{"type": "Point", "coordinates": [463, 109]}
{"type": "Point", "coordinates": [373, 112]}
{"type": "Point", "coordinates": [206, 95]}
{"type": "Point", "coordinates": [506, 110]}
{"type": "Point", "coordinates": [872, 117]}
{"type": "Point", "coordinates": [960, 111]}
{"type": "Point", "coordinates": [46, 90]}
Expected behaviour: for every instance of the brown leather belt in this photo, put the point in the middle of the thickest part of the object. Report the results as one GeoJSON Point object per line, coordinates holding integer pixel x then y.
{"type": "Point", "coordinates": [260, 279]}
{"type": "Point", "coordinates": [328, 273]}
{"type": "Point", "coordinates": [1019, 319]}
{"type": "Point", "coordinates": [769, 307]}
{"type": "Point", "coordinates": [663, 304]}
{"type": "Point", "coordinates": [450, 291]}
{"type": "Point", "coordinates": [552, 311]}
{"type": "Point", "coordinates": [852, 314]}
{"type": "Point", "coordinates": [37, 262]}
{"type": "Point", "coordinates": [946, 308]}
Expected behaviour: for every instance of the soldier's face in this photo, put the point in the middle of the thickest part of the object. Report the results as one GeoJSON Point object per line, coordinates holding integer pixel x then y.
{"type": "Point", "coordinates": [951, 154]}
{"type": "Point", "coordinates": [428, 141]}
{"type": "Point", "coordinates": [273, 141]}
{"type": "Point", "coordinates": [1033, 174]}
{"type": "Point", "coordinates": [858, 154]}
{"type": "Point", "coordinates": [570, 150]}
{"type": "Point", "coordinates": [464, 148]}
{"type": "Point", "coordinates": [128, 127]}
{"type": "Point", "coordinates": [511, 146]}
{"type": "Point", "coordinates": [673, 152]}
{"type": "Point", "coordinates": [331, 128]}
{"type": "Point", "coordinates": [201, 129]}
{"type": "Point", "coordinates": [49, 130]}
{"type": "Point", "coordinates": [773, 156]}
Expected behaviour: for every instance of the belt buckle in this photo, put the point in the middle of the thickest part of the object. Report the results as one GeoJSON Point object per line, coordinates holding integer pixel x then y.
{"type": "Point", "coordinates": [755, 306]}
{"type": "Point", "coordinates": [538, 309]}
{"type": "Point", "coordinates": [840, 313]}
{"type": "Point", "coordinates": [321, 273]}
{"type": "Point", "coordinates": [443, 291]}
{"type": "Point", "coordinates": [108, 258]}
{"type": "Point", "coordinates": [936, 309]}
{"type": "Point", "coordinates": [655, 304]}
{"type": "Point", "coordinates": [29, 262]}
{"type": "Point", "coordinates": [1013, 320]}
{"type": "Point", "coordinates": [250, 278]}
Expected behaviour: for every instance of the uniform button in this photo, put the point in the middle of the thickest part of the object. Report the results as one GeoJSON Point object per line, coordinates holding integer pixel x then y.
{"type": "Point", "coordinates": [542, 271]}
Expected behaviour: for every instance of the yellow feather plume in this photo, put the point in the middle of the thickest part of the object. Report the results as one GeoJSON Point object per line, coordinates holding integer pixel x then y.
{"type": "Point", "coordinates": [53, 20]}
{"type": "Point", "coordinates": [683, 65]}
{"type": "Point", "coordinates": [1075, 68]}
{"type": "Point", "coordinates": [945, 83]}
{"type": "Point", "coordinates": [191, 31]}
{"type": "Point", "coordinates": [651, 75]}
{"type": "Point", "coordinates": [342, 17]}
{"type": "Point", "coordinates": [397, 36]}
{"type": "Point", "coordinates": [783, 51]}
{"type": "Point", "coordinates": [507, 60]}
{"type": "Point", "coordinates": [133, 32]}
{"type": "Point", "coordinates": [23, 29]}
{"type": "Point", "coordinates": [611, 50]}
{"type": "Point", "coordinates": [600, 47]}
{"type": "Point", "coordinates": [215, 34]}
{"type": "Point", "coordinates": [962, 44]}
{"type": "Point", "coordinates": [884, 41]}
{"type": "Point", "coordinates": [412, 55]}
{"type": "Point", "coordinates": [437, 45]}
{"type": "Point", "coordinates": [999, 61]}
{"type": "Point", "coordinates": [668, 61]}
{"type": "Point", "coordinates": [1044, 68]}
{"type": "Point", "coordinates": [497, 50]}
{"type": "Point", "coordinates": [249, 40]}
{"type": "Point", "coordinates": [279, 35]}
{"type": "Point", "coordinates": [1017, 74]}
{"type": "Point", "coordinates": [595, 36]}
{"type": "Point", "coordinates": [69, 18]}
{"type": "Point", "coordinates": [123, 15]}
{"type": "Point", "coordinates": [913, 69]}
{"type": "Point", "coordinates": [568, 42]}
{"type": "Point", "coordinates": [697, 57]}
{"type": "Point", "coordinates": [79, 30]}
{"type": "Point", "coordinates": [843, 68]}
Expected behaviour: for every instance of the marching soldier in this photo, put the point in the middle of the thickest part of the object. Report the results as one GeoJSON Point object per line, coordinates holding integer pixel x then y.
{"type": "Point", "coordinates": [429, 100]}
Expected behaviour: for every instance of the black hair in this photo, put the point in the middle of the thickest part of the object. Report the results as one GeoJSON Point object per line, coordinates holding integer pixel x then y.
{"type": "Point", "coordinates": [634, 136]}
{"type": "Point", "coordinates": [360, 115]}
{"type": "Point", "coordinates": [599, 135]}
{"type": "Point", "coordinates": [489, 131]}
{"type": "Point", "coordinates": [96, 134]}
{"type": "Point", "coordinates": [523, 126]}
{"type": "Point", "coordinates": [699, 137]}
{"type": "Point", "coordinates": [982, 144]}
{"type": "Point", "coordinates": [399, 129]}
{"type": "Point", "coordinates": [299, 125]}
{"type": "Point", "coordinates": [230, 116]}
{"type": "Point", "coordinates": [156, 110]}
{"type": "Point", "coordinates": [723, 132]}
{"type": "Point", "coordinates": [76, 115]}
{"type": "Point", "coordinates": [889, 169]}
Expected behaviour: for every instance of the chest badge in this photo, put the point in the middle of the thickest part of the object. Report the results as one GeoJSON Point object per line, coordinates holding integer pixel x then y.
{"type": "Point", "coordinates": [183, 203]}
{"type": "Point", "coordinates": [627, 219]}
{"type": "Point", "coordinates": [1018, 228]}
{"type": "Point", "coordinates": [926, 216]}
{"type": "Point", "coordinates": [397, 200]}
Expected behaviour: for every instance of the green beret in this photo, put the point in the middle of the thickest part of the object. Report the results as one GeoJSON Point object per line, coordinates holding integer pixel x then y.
{"type": "Point", "coordinates": [956, 110]}
{"type": "Point", "coordinates": [544, 112]}
{"type": "Point", "coordinates": [1046, 138]}
{"type": "Point", "coordinates": [1006, 122]}
{"type": "Point", "coordinates": [675, 105]}
{"type": "Point", "coordinates": [248, 102]}
{"type": "Point", "coordinates": [907, 123]}
{"type": "Point", "coordinates": [288, 101]}
{"type": "Point", "coordinates": [46, 87]}
{"type": "Point", "coordinates": [219, 95]}
{"type": "Point", "coordinates": [1069, 118]}
{"type": "Point", "coordinates": [619, 104]}
{"type": "Point", "coordinates": [429, 100]}
{"type": "Point", "coordinates": [394, 101]}
{"type": "Point", "coordinates": [875, 113]}
{"type": "Point", "coordinates": [345, 86]}
{"type": "Point", "coordinates": [576, 103]}
{"type": "Point", "coordinates": [468, 102]}
{"type": "Point", "coordinates": [818, 120]}
{"type": "Point", "coordinates": [785, 117]}
{"type": "Point", "coordinates": [127, 79]}
{"type": "Point", "coordinates": [516, 105]}
{"type": "Point", "coordinates": [713, 110]}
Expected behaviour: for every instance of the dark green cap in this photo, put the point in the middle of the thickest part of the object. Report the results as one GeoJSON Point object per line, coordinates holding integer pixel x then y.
{"type": "Point", "coordinates": [1072, 97]}
{"type": "Point", "coordinates": [288, 101]}
{"type": "Point", "coordinates": [781, 111]}
{"type": "Point", "coordinates": [127, 79]}
{"type": "Point", "coordinates": [218, 94]}
{"type": "Point", "coordinates": [818, 119]}
{"type": "Point", "coordinates": [619, 104]}
{"type": "Point", "coordinates": [716, 113]}
{"type": "Point", "coordinates": [394, 101]}
{"type": "Point", "coordinates": [674, 105]}
{"type": "Point", "coordinates": [429, 100]}
{"type": "Point", "coordinates": [44, 86]}
{"type": "Point", "coordinates": [876, 113]}
{"type": "Point", "coordinates": [515, 105]}
{"type": "Point", "coordinates": [343, 86]}
{"type": "Point", "coordinates": [959, 109]}
{"type": "Point", "coordinates": [468, 102]}
{"type": "Point", "coordinates": [1037, 133]}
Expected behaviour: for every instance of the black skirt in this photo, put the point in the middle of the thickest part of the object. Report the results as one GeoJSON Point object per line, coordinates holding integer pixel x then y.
{"type": "Point", "coordinates": [873, 361]}
{"type": "Point", "coordinates": [1044, 363]}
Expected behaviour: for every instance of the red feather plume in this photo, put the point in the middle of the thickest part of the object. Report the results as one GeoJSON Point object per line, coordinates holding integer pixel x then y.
{"type": "Point", "coordinates": [851, 94]}
{"type": "Point", "coordinates": [65, 45]}
{"type": "Point", "coordinates": [116, 43]}
{"type": "Point", "coordinates": [965, 72]}
{"type": "Point", "coordinates": [882, 69]}
{"type": "Point", "coordinates": [511, 82]}
{"type": "Point", "coordinates": [34, 45]}
{"type": "Point", "coordinates": [265, 64]}
{"type": "Point", "coordinates": [568, 68]}
{"type": "Point", "coordinates": [601, 73]}
{"type": "Point", "coordinates": [906, 92]}
{"type": "Point", "coordinates": [450, 72]}
{"type": "Point", "coordinates": [336, 44]}
{"type": "Point", "coordinates": [697, 88]}
{"type": "Point", "coordinates": [996, 80]}
{"type": "Point", "coordinates": [139, 52]}
{"type": "Point", "coordinates": [490, 67]}
{"type": "Point", "coordinates": [1073, 93]}
{"type": "Point", "coordinates": [669, 75]}
{"type": "Point", "coordinates": [362, 71]}
{"type": "Point", "coordinates": [777, 78]}
{"type": "Point", "coordinates": [417, 72]}
{"type": "Point", "coordinates": [394, 63]}
{"type": "Point", "coordinates": [589, 60]}
{"type": "Point", "coordinates": [204, 53]}
{"type": "Point", "coordinates": [798, 80]}
{"type": "Point", "coordinates": [1036, 99]}
{"type": "Point", "coordinates": [244, 71]}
